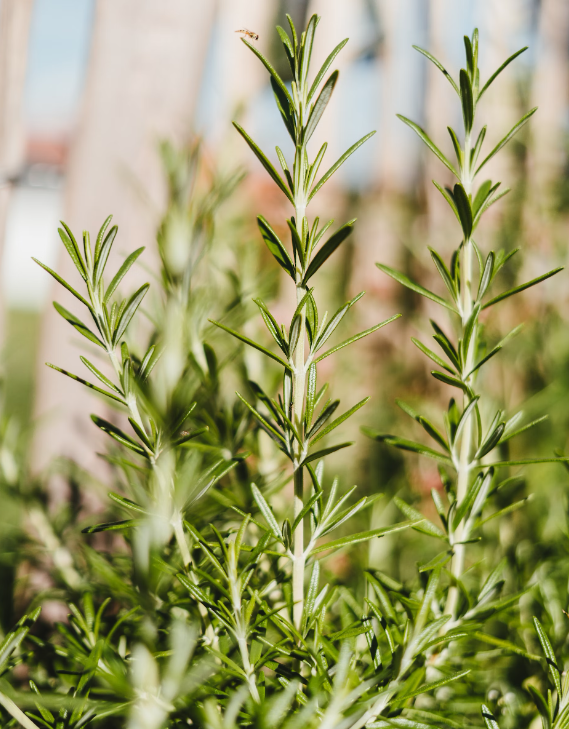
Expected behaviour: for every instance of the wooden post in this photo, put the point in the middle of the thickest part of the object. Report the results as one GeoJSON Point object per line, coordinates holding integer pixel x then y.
{"type": "Point", "coordinates": [15, 18]}
{"type": "Point", "coordinates": [144, 79]}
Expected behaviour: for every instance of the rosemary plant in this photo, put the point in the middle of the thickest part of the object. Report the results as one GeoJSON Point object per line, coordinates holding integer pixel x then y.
{"type": "Point", "coordinates": [292, 421]}
{"type": "Point", "coordinates": [473, 431]}
{"type": "Point", "coordinates": [214, 615]}
{"type": "Point", "coordinates": [469, 440]}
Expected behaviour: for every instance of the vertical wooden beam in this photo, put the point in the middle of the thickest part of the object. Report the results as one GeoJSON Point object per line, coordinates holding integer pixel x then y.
{"type": "Point", "coordinates": [550, 93]}
{"type": "Point", "coordinates": [144, 79]}
{"type": "Point", "coordinates": [15, 16]}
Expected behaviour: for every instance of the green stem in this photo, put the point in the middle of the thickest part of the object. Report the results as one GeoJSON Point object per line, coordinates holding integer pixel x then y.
{"type": "Point", "coordinates": [240, 629]}
{"type": "Point", "coordinates": [466, 446]}
{"type": "Point", "coordinates": [299, 553]}
{"type": "Point", "coordinates": [298, 393]}
{"type": "Point", "coordinates": [17, 713]}
{"type": "Point", "coordinates": [181, 540]}
{"type": "Point", "coordinates": [249, 669]}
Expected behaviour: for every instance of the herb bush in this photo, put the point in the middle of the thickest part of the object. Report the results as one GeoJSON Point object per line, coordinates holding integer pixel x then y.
{"type": "Point", "coordinates": [213, 603]}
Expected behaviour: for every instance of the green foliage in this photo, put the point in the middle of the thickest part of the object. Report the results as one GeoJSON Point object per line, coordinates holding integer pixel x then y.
{"type": "Point", "coordinates": [213, 604]}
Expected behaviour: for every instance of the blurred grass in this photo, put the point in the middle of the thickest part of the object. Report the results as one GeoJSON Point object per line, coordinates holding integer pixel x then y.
{"type": "Point", "coordinates": [19, 363]}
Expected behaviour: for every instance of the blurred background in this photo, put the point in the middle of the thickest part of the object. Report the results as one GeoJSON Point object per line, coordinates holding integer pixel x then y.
{"type": "Point", "coordinates": [88, 88]}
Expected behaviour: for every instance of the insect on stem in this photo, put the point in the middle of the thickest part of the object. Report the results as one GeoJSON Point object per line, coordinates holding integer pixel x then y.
{"type": "Point", "coordinates": [248, 33]}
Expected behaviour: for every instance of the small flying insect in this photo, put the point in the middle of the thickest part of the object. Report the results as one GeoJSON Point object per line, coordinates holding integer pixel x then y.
{"type": "Point", "coordinates": [248, 33]}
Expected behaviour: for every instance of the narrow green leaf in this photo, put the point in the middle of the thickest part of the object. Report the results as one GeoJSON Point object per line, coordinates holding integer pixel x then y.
{"type": "Point", "coordinates": [325, 415]}
{"type": "Point", "coordinates": [325, 66]}
{"type": "Point", "coordinates": [449, 197]}
{"type": "Point", "coordinates": [343, 516]}
{"type": "Point", "coordinates": [78, 325]}
{"type": "Point", "coordinates": [440, 66]}
{"type": "Point", "coordinates": [263, 421]}
{"type": "Point", "coordinates": [488, 716]}
{"type": "Point", "coordinates": [129, 311]}
{"type": "Point", "coordinates": [264, 161]}
{"type": "Point", "coordinates": [294, 333]}
{"type": "Point", "coordinates": [432, 431]}
{"type": "Point", "coordinates": [439, 561]}
{"type": "Point", "coordinates": [492, 200]}
{"type": "Point", "coordinates": [267, 513]}
{"type": "Point", "coordinates": [431, 355]}
{"type": "Point", "coordinates": [141, 434]}
{"type": "Point", "coordinates": [251, 343]}
{"type": "Point", "coordinates": [68, 240]}
{"type": "Point", "coordinates": [356, 337]}
{"type": "Point", "coordinates": [469, 57]}
{"type": "Point", "coordinates": [430, 686]}
{"type": "Point", "coordinates": [423, 524]}
{"type": "Point", "coordinates": [467, 100]}
{"type": "Point", "coordinates": [99, 375]}
{"type": "Point", "coordinates": [499, 71]}
{"type": "Point", "coordinates": [325, 452]}
{"type": "Point", "coordinates": [266, 63]}
{"type": "Point", "coordinates": [111, 526]}
{"type": "Point", "coordinates": [118, 435]}
{"type": "Point", "coordinates": [422, 134]}
{"type": "Point", "coordinates": [549, 656]}
{"type": "Point", "coordinates": [149, 362]}
{"type": "Point", "coordinates": [470, 497]}
{"type": "Point", "coordinates": [121, 273]}
{"type": "Point", "coordinates": [325, 251]}
{"type": "Point", "coordinates": [469, 330]}
{"type": "Point", "coordinates": [189, 436]}
{"type": "Point", "coordinates": [529, 461]}
{"type": "Point", "coordinates": [311, 595]}
{"type": "Point", "coordinates": [506, 645]}
{"type": "Point", "coordinates": [297, 245]}
{"type": "Point", "coordinates": [339, 420]}
{"type": "Point", "coordinates": [327, 175]}
{"type": "Point", "coordinates": [450, 380]}
{"type": "Point", "coordinates": [486, 276]}
{"type": "Point", "coordinates": [320, 105]}
{"type": "Point", "coordinates": [310, 396]}
{"type": "Point", "coordinates": [271, 324]}
{"type": "Point", "coordinates": [306, 51]}
{"type": "Point", "coordinates": [466, 413]}
{"type": "Point", "coordinates": [100, 237]}
{"type": "Point", "coordinates": [501, 259]}
{"type": "Point", "coordinates": [287, 115]}
{"type": "Point", "coordinates": [334, 322]}
{"type": "Point", "coordinates": [307, 507]}
{"type": "Point", "coordinates": [127, 503]}
{"type": "Point", "coordinates": [523, 287]}
{"type": "Point", "coordinates": [457, 147]}
{"type": "Point", "coordinates": [507, 435]}
{"type": "Point", "coordinates": [514, 130]}
{"type": "Point", "coordinates": [14, 638]}
{"type": "Point", "coordinates": [403, 279]}
{"type": "Point", "coordinates": [475, 153]}
{"type": "Point", "coordinates": [64, 283]}
{"type": "Point", "coordinates": [362, 537]}
{"type": "Point", "coordinates": [481, 195]}
{"type": "Point", "coordinates": [286, 42]}
{"type": "Point", "coordinates": [464, 210]}
{"type": "Point", "coordinates": [103, 255]}
{"type": "Point", "coordinates": [485, 359]}
{"type": "Point", "coordinates": [275, 246]}
{"type": "Point", "coordinates": [313, 171]}
{"type": "Point", "coordinates": [111, 395]}
{"type": "Point", "coordinates": [407, 445]}
{"type": "Point", "coordinates": [444, 273]}
{"type": "Point", "coordinates": [541, 705]}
